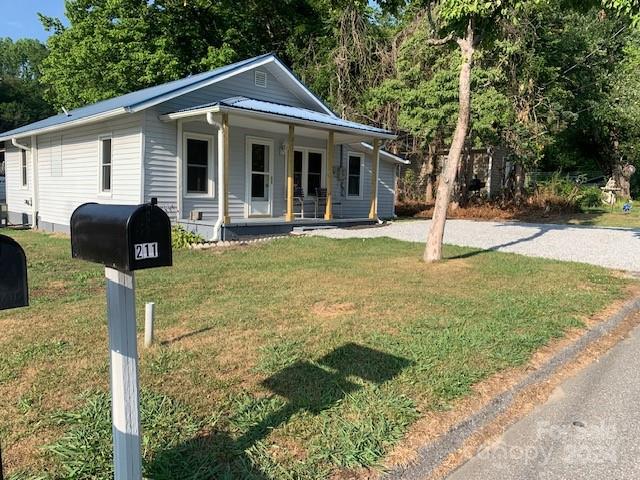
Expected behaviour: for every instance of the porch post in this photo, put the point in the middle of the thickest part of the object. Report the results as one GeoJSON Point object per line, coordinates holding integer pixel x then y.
{"type": "Point", "coordinates": [179, 172]}
{"type": "Point", "coordinates": [375, 159]}
{"type": "Point", "coordinates": [328, 214]}
{"type": "Point", "coordinates": [225, 154]}
{"type": "Point", "coordinates": [289, 216]}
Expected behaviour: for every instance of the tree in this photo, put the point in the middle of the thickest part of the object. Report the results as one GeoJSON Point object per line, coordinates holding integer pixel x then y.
{"type": "Point", "coordinates": [467, 21]}
{"type": "Point", "coordinates": [112, 47]}
{"type": "Point", "coordinates": [21, 99]}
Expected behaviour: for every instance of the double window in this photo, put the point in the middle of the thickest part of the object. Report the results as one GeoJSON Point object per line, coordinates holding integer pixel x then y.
{"type": "Point", "coordinates": [198, 159]}
{"type": "Point", "coordinates": [308, 169]}
{"type": "Point", "coordinates": [106, 164]}
{"type": "Point", "coordinates": [355, 168]}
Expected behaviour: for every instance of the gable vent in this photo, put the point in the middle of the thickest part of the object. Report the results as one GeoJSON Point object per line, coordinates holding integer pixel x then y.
{"type": "Point", "coordinates": [261, 79]}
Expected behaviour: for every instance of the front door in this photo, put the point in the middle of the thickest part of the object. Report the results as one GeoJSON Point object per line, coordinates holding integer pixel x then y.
{"type": "Point", "coordinates": [259, 177]}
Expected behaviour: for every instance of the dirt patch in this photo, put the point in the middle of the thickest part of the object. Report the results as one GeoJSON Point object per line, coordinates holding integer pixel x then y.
{"type": "Point", "coordinates": [332, 310]}
{"type": "Point", "coordinates": [435, 424]}
{"type": "Point", "coordinates": [554, 210]}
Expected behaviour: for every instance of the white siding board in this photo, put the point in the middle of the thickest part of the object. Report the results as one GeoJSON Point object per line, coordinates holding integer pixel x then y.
{"type": "Point", "coordinates": [17, 196]}
{"type": "Point", "coordinates": [238, 85]}
{"type": "Point", "coordinates": [60, 195]}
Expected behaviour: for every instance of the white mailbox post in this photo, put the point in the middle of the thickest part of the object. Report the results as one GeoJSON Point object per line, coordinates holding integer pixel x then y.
{"type": "Point", "coordinates": [123, 238]}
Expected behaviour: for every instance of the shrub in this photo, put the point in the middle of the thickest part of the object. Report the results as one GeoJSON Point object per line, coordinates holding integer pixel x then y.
{"type": "Point", "coordinates": [590, 197]}
{"type": "Point", "coordinates": [182, 238]}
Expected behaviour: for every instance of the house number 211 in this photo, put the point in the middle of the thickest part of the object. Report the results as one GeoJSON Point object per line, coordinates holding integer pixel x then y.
{"type": "Point", "coordinates": [146, 250]}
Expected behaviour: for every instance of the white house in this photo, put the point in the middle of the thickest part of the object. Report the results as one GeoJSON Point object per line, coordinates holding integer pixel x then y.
{"type": "Point", "coordinates": [245, 149]}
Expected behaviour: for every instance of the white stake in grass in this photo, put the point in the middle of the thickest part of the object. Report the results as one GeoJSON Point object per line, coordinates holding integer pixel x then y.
{"type": "Point", "coordinates": [149, 318]}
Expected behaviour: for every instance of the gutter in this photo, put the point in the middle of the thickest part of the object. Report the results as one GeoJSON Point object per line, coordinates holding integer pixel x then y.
{"type": "Point", "coordinates": [72, 123]}
{"type": "Point", "coordinates": [15, 143]}
{"type": "Point", "coordinates": [34, 176]}
{"type": "Point", "coordinates": [220, 220]}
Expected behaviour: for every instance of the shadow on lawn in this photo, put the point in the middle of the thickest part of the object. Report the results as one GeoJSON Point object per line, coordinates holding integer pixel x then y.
{"type": "Point", "coordinates": [311, 387]}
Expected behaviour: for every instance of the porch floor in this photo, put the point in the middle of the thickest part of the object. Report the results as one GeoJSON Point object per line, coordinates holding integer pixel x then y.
{"type": "Point", "coordinates": [241, 228]}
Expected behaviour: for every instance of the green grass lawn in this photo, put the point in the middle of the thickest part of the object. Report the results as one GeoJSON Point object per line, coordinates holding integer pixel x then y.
{"type": "Point", "coordinates": [292, 359]}
{"type": "Point", "coordinates": [601, 217]}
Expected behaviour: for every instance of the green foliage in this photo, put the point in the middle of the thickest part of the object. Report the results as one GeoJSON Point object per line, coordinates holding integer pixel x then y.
{"type": "Point", "coordinates": [85, 450]}
{"type": "Point", "coordinates": [590, 197]}
{"type": "Point", "coordinates": [182, 238]}
{"type": "Point", "coordinates": [21, 95]}
{"type": "Point", "coordinates": [112, 47]}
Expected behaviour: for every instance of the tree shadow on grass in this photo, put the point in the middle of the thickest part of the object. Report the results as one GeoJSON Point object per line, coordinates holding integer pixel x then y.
{"type": "Point", "coordinates": [306, 386]}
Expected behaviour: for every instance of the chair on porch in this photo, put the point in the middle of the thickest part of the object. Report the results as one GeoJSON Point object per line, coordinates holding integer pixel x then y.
{"type": "Point", "coordinates": [321, 203]}
{"type": "Point", "coordinates": [298, 197]}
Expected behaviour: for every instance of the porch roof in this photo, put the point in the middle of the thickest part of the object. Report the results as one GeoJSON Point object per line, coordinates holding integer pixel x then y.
{"type": "Point", "coordinates": [280, 113]}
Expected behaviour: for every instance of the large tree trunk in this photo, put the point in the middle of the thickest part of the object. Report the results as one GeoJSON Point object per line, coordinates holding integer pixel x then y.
{"type": "Point", "coordinates": [433, 250]}
{"type": "Point", "coordinates": [622, 182]}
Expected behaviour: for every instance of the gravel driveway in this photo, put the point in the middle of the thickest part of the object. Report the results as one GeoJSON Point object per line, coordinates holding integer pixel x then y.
{"type": "Point", "coordinates": [608, 247]}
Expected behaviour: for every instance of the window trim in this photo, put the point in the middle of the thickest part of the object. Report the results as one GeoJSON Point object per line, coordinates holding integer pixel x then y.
{"type": "Point", "coordinates": [305, 168]}
{"type": "Point", "coordinates": [24, 169]}
{"type": "Point", "coordinates": [101, 192]}
{"type": "Point", "coordinates": [211, 174]}
{"type": "Point", "coordinates": [346, 190]}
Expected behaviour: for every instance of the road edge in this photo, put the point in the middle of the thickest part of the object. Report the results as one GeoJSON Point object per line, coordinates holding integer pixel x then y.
{"type": "Point", "coordinates": [432, 456]}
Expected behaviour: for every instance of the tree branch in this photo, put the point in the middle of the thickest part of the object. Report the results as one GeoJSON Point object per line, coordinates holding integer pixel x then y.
{"type": "Point", "coordinates": [441, 41]}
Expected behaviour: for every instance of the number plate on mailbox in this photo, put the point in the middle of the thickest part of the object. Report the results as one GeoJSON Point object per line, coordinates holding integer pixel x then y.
{"type": "Point", "coordinates": [146, 250]}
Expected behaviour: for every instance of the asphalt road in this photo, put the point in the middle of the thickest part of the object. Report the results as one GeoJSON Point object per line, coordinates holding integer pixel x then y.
{"type": "Point", "coordinates": [608, 247]}
{"type": "Point", "coordinates": [589, 429]}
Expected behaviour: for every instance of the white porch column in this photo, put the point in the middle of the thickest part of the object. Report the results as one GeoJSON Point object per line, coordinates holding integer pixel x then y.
{"type": "Point", "coordinates": [223, 167]}
{"type": "Point", "coordinates": [179, 170]}
{"type": "Point", "coordinates": [375, 160]}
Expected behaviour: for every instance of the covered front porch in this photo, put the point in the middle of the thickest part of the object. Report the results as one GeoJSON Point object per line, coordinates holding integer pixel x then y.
{"type": "Point", "coordinates": [248, 167]}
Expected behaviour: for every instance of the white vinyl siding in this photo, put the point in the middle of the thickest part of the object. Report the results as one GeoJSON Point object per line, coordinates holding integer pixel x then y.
{"type": "Point", "coordinates": [80, 155]}
{"type": "Point", "coordinates": [243, 85]}
{"type": "Point", "coordinates": [18, 196]}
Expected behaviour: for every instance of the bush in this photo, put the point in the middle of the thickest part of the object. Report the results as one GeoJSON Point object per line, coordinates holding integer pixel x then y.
{"type": "Point", "coordinates": [590, 197]}
{"type": "Point", "coordinates": [182, 238]}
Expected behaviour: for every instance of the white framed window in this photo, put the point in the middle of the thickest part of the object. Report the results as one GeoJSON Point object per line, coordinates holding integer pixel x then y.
{"type": "Point", "coordinates": [105, 168]}
{"type": "Point", "coordinates": [24, 169]}
{"type": "Point", "coordinates": [198, 165]}
{"type": "Point", "coordinates": [354, 175]}
{"type": "Point", "coordinates": [309, 169]}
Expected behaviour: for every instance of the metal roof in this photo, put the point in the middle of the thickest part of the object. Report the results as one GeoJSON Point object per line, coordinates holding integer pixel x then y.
{"type": "Point", "coordinates": [261, 106]}
{"type": "Point", "coordinates": [129, 102]}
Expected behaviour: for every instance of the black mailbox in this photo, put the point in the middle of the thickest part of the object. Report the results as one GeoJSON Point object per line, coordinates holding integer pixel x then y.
{"type": "Point", "coordinates": [124, 237]}
{"type": "Point", "coordinates": [14, 292]}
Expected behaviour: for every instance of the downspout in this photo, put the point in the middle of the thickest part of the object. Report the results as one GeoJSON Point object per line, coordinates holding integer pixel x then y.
{"type": "Point", "coordinates": [220, 220]}
{"type": "Point", "coordinates": [34, 212]}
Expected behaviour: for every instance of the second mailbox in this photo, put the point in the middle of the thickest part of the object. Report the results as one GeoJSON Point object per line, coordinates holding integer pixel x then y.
{"type": "Point", "coordinates": [124, 237]}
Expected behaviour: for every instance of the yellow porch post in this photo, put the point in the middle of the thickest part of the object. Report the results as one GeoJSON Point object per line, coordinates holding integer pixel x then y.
{"type": "Point", "coordinates": [375, 160]}
{"type": "Point", "coordinates": [289, 216]}
{"type": "Point", "coordinates": [225, 150]}
{"type": "Point", "coordinates": [328, 214]}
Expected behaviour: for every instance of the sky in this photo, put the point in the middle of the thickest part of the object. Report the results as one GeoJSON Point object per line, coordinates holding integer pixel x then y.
{"type": "Point", "coordinates": [19, 19]}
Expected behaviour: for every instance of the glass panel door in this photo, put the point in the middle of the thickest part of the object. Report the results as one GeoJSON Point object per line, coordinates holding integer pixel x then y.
{"type": "Point", "coordinates": [260, 161]}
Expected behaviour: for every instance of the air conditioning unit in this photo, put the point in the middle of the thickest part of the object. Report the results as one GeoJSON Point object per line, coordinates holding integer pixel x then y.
{"type": "Point", "coordinates": [195, 215]}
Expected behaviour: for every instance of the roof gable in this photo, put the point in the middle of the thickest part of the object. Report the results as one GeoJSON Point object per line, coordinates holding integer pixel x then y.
{"type": "Point", "coordinates": [148, 97]}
